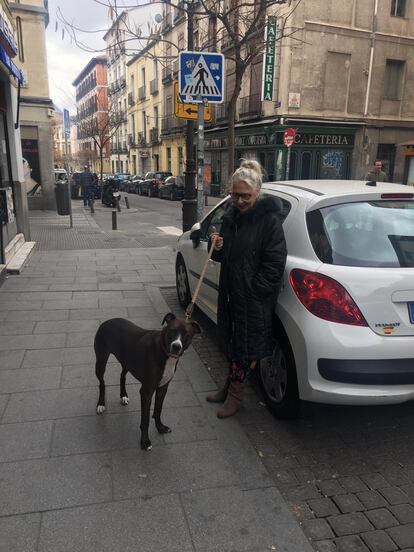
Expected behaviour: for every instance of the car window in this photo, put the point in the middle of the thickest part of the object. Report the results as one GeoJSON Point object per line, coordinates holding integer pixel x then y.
{"type": "Point", "coordinates": [214, 219]}
{"type": "Point", "coordinates": [369, 233]}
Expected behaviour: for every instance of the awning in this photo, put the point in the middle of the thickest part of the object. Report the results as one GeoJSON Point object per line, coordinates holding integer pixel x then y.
{"type": "Point", "coordinates": [409, 143]}
{"type": "Point", "coordinates": [11, 66]}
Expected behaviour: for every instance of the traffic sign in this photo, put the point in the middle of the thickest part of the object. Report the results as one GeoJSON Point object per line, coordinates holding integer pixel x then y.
{"type": "Point", "coordinates": [184, 110]}
{"type": "Point", "coordinates": [201, 77]}
{"type": "Point", "coordinates": [289, 137]}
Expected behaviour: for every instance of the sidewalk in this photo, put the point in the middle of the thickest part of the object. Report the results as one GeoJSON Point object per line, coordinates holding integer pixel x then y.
{"type": "Point", "coordinates": [74, 481]}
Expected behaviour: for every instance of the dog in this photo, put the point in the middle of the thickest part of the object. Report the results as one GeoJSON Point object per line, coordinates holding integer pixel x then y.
{"type": "Point", "coordinates": [151, 356]}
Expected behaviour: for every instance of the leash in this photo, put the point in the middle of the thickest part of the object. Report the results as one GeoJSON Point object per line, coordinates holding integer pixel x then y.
{"type": "Point", "coordinates": [190, 308]}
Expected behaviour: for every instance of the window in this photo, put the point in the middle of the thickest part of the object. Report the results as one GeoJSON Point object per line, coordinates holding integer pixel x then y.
{"type": "Point", "coordinates": [20, 38]}
{"type": "Point", "coordinates": [394, 71]}
{"type": "Point", "coordinates": [169, 159]}
{"type": "Point", "coordinates": [398, 8]}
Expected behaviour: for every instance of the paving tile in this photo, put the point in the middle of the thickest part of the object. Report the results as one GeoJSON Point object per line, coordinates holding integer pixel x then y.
{"type": "Point", "coordinates": [403, 512]}
{"type": "Point", "coordinates": [16, 328]}
{"type": "Point", "coordinates": [402, 535]}
{"type": "Point", "coordinates": [323, 507]}
{"type": "Point", "coordinates": [19, 533]}
{"type": "Point", "coordinates": [66, 326]}
{"type": "Point", "coordinates": [187, 425]}
{"type": "Point", "coordinates": [394, 495]}
{"type": "Point", "coordinates": [317, 529]}
{"type": "Point", "coordinates": [80, 339]}
{"type": "Point", "coordinates": [31, 486]}
{"type": "Point", "coordinates": [98, 314]}
{"type": "Point", "coordinates": [36, 315]}
{"type": "Point", "coordinates": [216, 527]}
{"type": "Point", "coordinates": [10, 360]}
{"type": "Point", "coordinates": [37, 296]}
{"type": "Point", "coordinates": [352, 543]}
{"type": "Point", "coordinates": [383, 518]}
{"type": "Point", "coordinates": [4, 399]}
{"type": "Point", "coordinates": [371, 499]}
{"type": "Point", "coordinates": [32, 379]}
{"type": "Point", "coordinates": [348, 503]}
{"type": "Point", "coordinates": [129, 302]}
{"type": "Point", "coordinates": [82, 375]}
{"type": "Point", "coordinates": [61, 357]}
{"type": "Point", "coordinates": [378, 541]}
{"type": "Point", "coordinates": [348, 524]}
{"type": "Point", "coordinates": [148, 525]}
{"type": "Point", "coordinates": [169, 469]}
{"type": "Point", "coordinates": [24, 441]}
{"type": "Point", "coordinates": [8, 342]}
{"type": "Point", "coordinates": [330, 487]}
{"type": "Point", "coordinates": [77, 304]}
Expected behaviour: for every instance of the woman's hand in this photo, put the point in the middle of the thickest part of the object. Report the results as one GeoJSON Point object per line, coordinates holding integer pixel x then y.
{"type": "Point", "coordinates": [218, 243]}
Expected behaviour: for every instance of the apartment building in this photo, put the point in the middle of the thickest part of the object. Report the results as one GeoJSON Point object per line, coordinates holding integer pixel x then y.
{"type": "Point", "coordinates": [92, 114]}
{"type": "Point", "coordinates": [36, 107]}
{"type": "Point", "coordinates": [14, 220]}
{"type": "Point", "coordinates": [117, 59]}
{"type": "Point", "coordinates": [64, 147]}
{"type": "Point", "coordinates": [344, 82]}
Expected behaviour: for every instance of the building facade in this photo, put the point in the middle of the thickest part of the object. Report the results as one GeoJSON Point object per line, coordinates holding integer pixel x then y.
{"type": "Point", "coordinates": [14, 220]}
{"type": "Point", "coordinates": [343, 82]}
{"type": "Point", "coordinates": [93, 128]}
{"type": "Point", "coordinates": [117, 91]}
{"type": "Point", "coordinates": [36, 107]}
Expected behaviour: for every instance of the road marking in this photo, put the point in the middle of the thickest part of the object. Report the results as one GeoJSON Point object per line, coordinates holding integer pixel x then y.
{"type": "Point", "coordinates": [173, 230]}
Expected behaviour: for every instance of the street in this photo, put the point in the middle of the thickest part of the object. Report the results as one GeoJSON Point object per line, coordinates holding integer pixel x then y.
{"type": "Point", "coordinates": [346, 473]}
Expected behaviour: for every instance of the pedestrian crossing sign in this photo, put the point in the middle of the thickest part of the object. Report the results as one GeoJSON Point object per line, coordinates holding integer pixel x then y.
{"type": "Point", "coordinates": [201, 77]}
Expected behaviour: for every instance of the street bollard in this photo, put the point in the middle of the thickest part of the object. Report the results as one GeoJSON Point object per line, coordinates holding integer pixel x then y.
{"type": "Point", "coordinates": [206, 199]}
{"type": "Point", "coordinates": [92, 204]}
{"type": "Point", "coordinates": [118, 204]}
{"type": "Point", "coordinates": [114, 220]}
{"type": "Point", "coordinates": [127, 202]}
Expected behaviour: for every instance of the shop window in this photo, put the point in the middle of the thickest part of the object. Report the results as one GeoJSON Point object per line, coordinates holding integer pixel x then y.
{"type": "Point", "coordinates": [386, 153]}
{"type": "Point", "coordinates": [292, 165]}
{"type": "Point", "coordinates": [306, 165]}
{"type": "Point", "coordinates": [318, 164]}
{"type": "Point", "coordinates": [394, 71]}
{"type": "Point", "coordinates": [398, 8]}
{"type": "Point", "coordinates": [332, 164]}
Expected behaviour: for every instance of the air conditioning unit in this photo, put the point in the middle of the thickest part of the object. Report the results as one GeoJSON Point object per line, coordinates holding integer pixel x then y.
{"type": "Point", "coordinates": [50, 112]}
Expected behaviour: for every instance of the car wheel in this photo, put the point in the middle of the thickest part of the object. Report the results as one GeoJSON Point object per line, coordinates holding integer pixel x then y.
{"type": "Point", "coordinates": [278, 380]}
{"type": "Point", "coordinates": [181, 283]}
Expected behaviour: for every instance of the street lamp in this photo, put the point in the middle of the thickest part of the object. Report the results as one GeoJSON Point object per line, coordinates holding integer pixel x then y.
{"type": "Point", "coordinates": [190, 201]}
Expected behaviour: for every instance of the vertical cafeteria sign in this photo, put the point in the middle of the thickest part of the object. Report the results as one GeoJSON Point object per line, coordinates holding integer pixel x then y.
{"type": "Point", "coordinates": [269, 58]}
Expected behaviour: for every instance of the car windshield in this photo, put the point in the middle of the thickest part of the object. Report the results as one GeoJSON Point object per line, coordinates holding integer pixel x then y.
{"type": "Point", "coordinates": [369, 233]}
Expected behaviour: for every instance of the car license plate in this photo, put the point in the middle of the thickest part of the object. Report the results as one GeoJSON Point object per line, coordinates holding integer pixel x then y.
{"type": "Point", "coordinates": [411, 312]}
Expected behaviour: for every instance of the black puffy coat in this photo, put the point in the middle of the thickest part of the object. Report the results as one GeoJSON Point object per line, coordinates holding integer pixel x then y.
{"type": "Point", "coordinates": [252, 259]}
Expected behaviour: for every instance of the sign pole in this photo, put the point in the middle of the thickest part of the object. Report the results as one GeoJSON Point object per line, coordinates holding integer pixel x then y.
{"type": "Point", "coordinates": [288, 162]}
{"type": "Point", "coordinates": [67, 172]}
{"type": "Point", "coordinates": [200, 161]}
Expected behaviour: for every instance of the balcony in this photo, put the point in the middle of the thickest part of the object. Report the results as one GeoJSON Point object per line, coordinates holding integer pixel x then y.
{"type": "Point", "coordinates": [122, 82]}
{"type": "Point", "coordinates": [167, 22]}
{"type": "Point", "coordinates": [221, 112]}
{"type": "Point", "coordinates": [141, 92]}
{"type": "Point", "coordinates": [154, 86]}
{"type": "Point", "coordinates": [131, 99]}
{"type": "Point", "coordinates": [124, 148]}
{"type": "Point", "coordinates": [250, 106]}
{"type": "Point", "coordinates": [166, 74]}
{"type": "Point", "coordinates": [142, 139]}
{"type": "Point", "coordinates": [170, 124]}
{"type": "Point", "coordinates": [175, 67]}
{"type": "Point", "coordinates": [115, 149]}
{"type": "Point", "coordinates": [131, 141]}
{"type": "Point", "coordinates": [154, 135]}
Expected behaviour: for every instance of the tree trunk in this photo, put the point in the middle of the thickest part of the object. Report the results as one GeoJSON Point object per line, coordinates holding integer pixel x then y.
{"type": "Point", "coordinates": [101, 169]}
{"type": "Point", "coordinates": [231, 149]}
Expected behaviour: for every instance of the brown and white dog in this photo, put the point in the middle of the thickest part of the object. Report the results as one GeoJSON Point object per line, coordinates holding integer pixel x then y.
{"type": "Point", "coordinates": [151, 356]}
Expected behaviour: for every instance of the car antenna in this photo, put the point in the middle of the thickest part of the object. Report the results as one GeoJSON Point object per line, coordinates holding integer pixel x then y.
{"type": "Point", "coordinates": [371, 183]}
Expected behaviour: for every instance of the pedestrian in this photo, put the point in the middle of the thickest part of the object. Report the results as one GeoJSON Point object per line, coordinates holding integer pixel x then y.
{"type": "Point", "coordinates": [376, 174]}
{"type": "Point", "coordinates": [252, 251]}
{"type": "Point", "coordinates": [86, 179]}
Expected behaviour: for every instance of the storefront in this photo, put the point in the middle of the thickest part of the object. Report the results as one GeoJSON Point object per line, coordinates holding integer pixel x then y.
{"type": "Point", "coordinates": [318, 151]}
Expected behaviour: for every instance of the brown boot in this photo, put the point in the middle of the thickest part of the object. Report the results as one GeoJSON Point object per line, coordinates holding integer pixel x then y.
{"type": "Point", "coordinates": [233, 401]}
{"type": "Point", "coordinates": [220, 395]}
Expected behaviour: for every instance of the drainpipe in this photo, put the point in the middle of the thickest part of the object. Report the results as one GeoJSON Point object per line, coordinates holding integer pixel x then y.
{"type": "Point", "coordinates": [371, 57]}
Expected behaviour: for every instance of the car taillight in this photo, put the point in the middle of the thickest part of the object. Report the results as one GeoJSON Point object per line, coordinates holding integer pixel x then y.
{"type": "Point", "coordinates": [325, 297]}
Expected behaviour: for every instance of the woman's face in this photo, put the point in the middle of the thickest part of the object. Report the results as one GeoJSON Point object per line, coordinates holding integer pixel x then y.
{"type": "Point", "coordinates": [243, 196]}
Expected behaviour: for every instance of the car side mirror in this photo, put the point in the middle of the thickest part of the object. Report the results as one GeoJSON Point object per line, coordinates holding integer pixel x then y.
{"type": "Point", "coordinates": [195, 235]}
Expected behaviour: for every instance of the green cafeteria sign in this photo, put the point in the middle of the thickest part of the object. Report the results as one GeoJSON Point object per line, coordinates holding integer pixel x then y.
{"type": "Point", "coordinates": [269, 58]}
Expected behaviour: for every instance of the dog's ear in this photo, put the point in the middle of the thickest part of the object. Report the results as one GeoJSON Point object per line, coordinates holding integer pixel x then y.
{"type": "Point", "coordinates": [167, 318]}
{"type": "Point", "coordinates": [195, 328]}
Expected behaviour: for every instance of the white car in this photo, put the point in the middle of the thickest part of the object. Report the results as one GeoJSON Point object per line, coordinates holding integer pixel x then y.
{"type": "Point", "coordinates": [344, 321]}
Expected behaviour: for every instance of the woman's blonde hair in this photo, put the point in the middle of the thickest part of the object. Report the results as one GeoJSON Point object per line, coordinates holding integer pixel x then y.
{"type": "Point", "coordinates": [250, 171]}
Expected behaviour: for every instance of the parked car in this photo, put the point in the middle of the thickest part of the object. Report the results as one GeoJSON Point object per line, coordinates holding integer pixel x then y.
{"type": "Point", "coordinates": [134, 184]}
{"type": "Point", "coordinates": [344, 322]}
{"type": "Point", "coordinates": [149, 186]}
{"type": "Point", "coordinates": [172, 188]}
{"type": "Point", "coordinates": [121, 178]}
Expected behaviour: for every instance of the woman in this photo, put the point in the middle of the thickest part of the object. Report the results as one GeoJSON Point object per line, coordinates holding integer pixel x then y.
{"type": "Point", "coordinates": [252, 251]}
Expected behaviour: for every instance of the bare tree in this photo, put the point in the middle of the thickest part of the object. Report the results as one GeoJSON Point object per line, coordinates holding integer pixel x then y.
{"type": "Point", "coordinates": [234, 27]}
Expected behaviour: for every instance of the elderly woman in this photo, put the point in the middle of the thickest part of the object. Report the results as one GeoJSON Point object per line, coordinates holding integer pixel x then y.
{"type": "Point", "coordinates": [252, 251]}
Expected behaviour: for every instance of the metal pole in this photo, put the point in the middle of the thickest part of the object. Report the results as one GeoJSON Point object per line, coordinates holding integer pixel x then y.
{"type": "Point", "coordinates": [200, 160]}
{"type": "Point", "coordinates": [67, 172]}
{"type": "Point", "coordinates": [114, 221]}
{"type": "Point", "coordinates": [287, 163]}
{"type": "Point", "coordinates": [189, 202]}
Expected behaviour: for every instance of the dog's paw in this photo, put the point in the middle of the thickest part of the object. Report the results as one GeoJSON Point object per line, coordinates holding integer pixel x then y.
{"type": "Point", "coordinates": [100, 409]}
{"type": "Point", "coordinates": [124, 401]}
{"type": "Point", "coordinates": [146, 445]}
{"type": "Point", "coordinates": [163, 428]}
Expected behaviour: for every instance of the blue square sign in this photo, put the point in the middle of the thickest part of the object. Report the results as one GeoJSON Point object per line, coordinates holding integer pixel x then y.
{"type": "Point", "coordinates": [201, 77]}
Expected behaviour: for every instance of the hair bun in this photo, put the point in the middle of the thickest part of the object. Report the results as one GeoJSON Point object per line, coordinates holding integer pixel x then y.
{"type": "Point", "coordinates": [252, 165]}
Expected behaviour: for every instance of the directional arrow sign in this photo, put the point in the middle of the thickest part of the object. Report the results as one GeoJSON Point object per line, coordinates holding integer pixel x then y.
{"type": "Point", "coordinates": [185, 110]}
